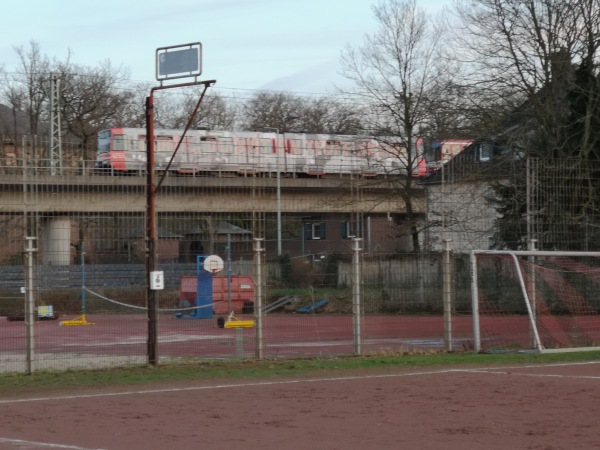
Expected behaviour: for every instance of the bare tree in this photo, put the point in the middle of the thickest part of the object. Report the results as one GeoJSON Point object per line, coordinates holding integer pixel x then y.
{"type": "Point", "coordinates": [291, 113]}
{"type": "Point", "coordinates": [92, 99]}
{"type": "Point", "coordinates": [273, 110]}
{"type": "Point", "coordinates": [133, 113]}
{"type": "Point", "coordinates": [534, 56]}
{"type": "Point", "coordinates": [215, 112]}
{"type": "Point", "coordinates": [175, 109]}
{"type": "Point", "coordinates": [540, 58]}
{"type": "Point", "coordinates": [330, 115]}
{"type": "Point", "coordinates": [12, 121]}
{"type": "Point", "coordinates": [400, 78]}
{"type": "Point", "coordinates": [27, 89]}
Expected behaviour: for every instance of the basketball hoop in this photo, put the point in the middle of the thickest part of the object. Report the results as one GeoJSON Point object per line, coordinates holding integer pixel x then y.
{"type": "Point", "coordinates": [213, 264]}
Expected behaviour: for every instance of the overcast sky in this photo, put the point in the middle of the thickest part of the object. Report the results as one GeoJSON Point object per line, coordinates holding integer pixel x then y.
{"type": "Point", "coordinates": [292, 45]}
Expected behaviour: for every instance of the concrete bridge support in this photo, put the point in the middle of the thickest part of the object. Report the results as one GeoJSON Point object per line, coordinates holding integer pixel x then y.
{"type": "Point", "coordinates": [56, 242]}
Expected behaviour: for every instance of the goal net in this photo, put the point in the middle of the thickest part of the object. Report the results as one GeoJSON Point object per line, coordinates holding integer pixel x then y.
{"type": "Point", "coordinates": [535, 300]}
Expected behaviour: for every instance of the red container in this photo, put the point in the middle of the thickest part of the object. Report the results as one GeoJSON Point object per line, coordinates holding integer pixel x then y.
{"type": "Point", "coordinates": [242, 293]}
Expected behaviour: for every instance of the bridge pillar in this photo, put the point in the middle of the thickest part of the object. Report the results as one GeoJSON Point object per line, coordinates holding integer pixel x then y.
{"type": "Point", "coordinates": [56, 239]}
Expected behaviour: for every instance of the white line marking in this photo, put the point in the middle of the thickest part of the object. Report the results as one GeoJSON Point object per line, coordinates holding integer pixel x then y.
{"type": "Point", "coordinates": [490, 370]}
{"type": "Point", "coordinates": [21, 442]}
{"type": "Point", "coordinates": [221, 386]}
{"type": "Point", "coordinates": [535, 375]}
{"type": "Point", "coordinates": [532, 366]}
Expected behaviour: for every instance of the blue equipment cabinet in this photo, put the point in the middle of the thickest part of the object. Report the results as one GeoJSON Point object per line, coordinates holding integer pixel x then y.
{"type": "Point", "coordinates": [204, 291]}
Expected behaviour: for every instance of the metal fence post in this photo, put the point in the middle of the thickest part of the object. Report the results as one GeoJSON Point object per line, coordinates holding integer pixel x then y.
{"type": "Point", "coordinates": [258, 302]}
{"type": "Point", "coordinates": [356, 291]}
{"type": "Point", "coordinates": [447, 294]}
{"type": "Point", "coordinates": [475, 303]}
{"type": "Point", "coordinates": [29, 304]}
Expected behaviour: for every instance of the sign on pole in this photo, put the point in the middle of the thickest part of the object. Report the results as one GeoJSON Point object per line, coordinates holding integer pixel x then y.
{"type": "Point", "coordinates": [179, 61]}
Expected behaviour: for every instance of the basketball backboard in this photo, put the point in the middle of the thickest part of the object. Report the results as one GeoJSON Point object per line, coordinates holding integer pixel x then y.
{"type": "Point", "coordinates": [213, 263]}
{"type": "Point", "coordinates": [179, 61]}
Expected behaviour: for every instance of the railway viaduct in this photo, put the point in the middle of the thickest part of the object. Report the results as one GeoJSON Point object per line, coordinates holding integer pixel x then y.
{"type": "Point", "coordinates": [60, 200]}
{"type": "Point", "coordinates": [70, 194]}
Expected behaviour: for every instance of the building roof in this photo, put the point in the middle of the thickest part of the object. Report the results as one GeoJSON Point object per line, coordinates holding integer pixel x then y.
{"type": "Point", "coordinates": [482, 160]}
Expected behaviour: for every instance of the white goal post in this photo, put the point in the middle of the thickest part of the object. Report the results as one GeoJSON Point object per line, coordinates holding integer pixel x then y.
{"type": "Point", "coordinates": [539, 301]}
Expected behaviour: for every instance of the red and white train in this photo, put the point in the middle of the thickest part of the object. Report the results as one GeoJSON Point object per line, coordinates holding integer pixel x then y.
{"type": "Point", "coordinates": [439, 152]}
{"type": "Point", "coordinates": [123, 151]}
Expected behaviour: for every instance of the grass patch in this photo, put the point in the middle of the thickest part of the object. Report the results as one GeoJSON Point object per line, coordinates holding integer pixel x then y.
{"type": "Point", "coordinates": [13, 385]}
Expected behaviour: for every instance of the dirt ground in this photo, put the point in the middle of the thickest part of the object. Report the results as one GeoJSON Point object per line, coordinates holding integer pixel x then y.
{"type": "Point", "coordinates": [547, 407]}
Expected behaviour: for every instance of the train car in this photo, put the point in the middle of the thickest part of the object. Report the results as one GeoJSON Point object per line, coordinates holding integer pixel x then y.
{"type": "Point", "coordinates": [440, 151]}
{"type": "Point", "coordinates": [123, 151]}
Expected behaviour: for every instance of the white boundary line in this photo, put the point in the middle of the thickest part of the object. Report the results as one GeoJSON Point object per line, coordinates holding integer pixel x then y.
{"type": "Point", "coordinates": [505, 370]}
{"type": "Point", "coordinates": [29, 444]}
{"type": "Point", "coordinates": [490, 370]}
{"type": "Point", "coordinates": [535, 375]}
{"type": "Point", "coordinates": [221, 386]}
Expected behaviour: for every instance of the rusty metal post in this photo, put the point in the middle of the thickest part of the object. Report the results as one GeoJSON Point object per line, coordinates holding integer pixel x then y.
{"type": "Point", "coordinates": [151, 234]}
{"type": "Point", "coordinates": [151, 218]}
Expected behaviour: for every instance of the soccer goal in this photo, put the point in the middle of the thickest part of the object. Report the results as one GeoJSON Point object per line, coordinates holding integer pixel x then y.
{"type": "Point", "coordinates": [540, 301]}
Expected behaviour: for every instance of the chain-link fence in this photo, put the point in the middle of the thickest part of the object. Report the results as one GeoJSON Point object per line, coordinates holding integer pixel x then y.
{"type": "Point", "coordinates": [310, 267]}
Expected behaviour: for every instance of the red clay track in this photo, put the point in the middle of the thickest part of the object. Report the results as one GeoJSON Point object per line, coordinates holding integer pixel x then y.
{"type": "Point", "coordinates": [530, 407]}
{"type": "Point", "coordinates": [285, 336]}
{"type": "Point", "coordinates": [122, 339]}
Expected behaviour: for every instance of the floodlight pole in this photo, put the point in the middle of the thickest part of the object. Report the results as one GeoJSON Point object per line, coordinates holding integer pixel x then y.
{"type": "Point", "coordinates": [151, 218]}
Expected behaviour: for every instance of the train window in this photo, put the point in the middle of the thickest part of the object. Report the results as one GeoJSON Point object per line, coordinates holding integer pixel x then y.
{"type": "Point", "coordinates": [420, 147]}
{"type": "Point", "coordinates": [295, 147]}
{"type": "Point", "coordinates": [225, 145]}
{"type": "Point", "coordinates": [138, 144]}
{"type": "Point", "coordinates": [208, 144]}
{"type": "Point", "coordinates": [119, 142]}
{"type": "Point", "coordinates": [333, 148]}
{"type": "Point", "coordinates": [364, 149]}
{"type": "Point", "coordinates": [348, 148]}
{"type": "Point", "coordinates": [164, 143]}
{"type": "Point", "coordinates": [396, 150]}
{"type": "Point", "coordinates": [103, 141]}
{"type": "Point", "coordinates": [314, 147]}
{"type": "Point", "coordinates": [244, 145]}
{"type": "Point", "coordinates": [265, 146]}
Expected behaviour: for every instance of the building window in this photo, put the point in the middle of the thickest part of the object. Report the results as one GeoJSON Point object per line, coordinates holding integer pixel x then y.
{"type": "Point", "coordinates": [485, 152]}
{"type": "Point", "coordinates": [315, 230]}
{"type": "Point", "coordinates": [349, 229]}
